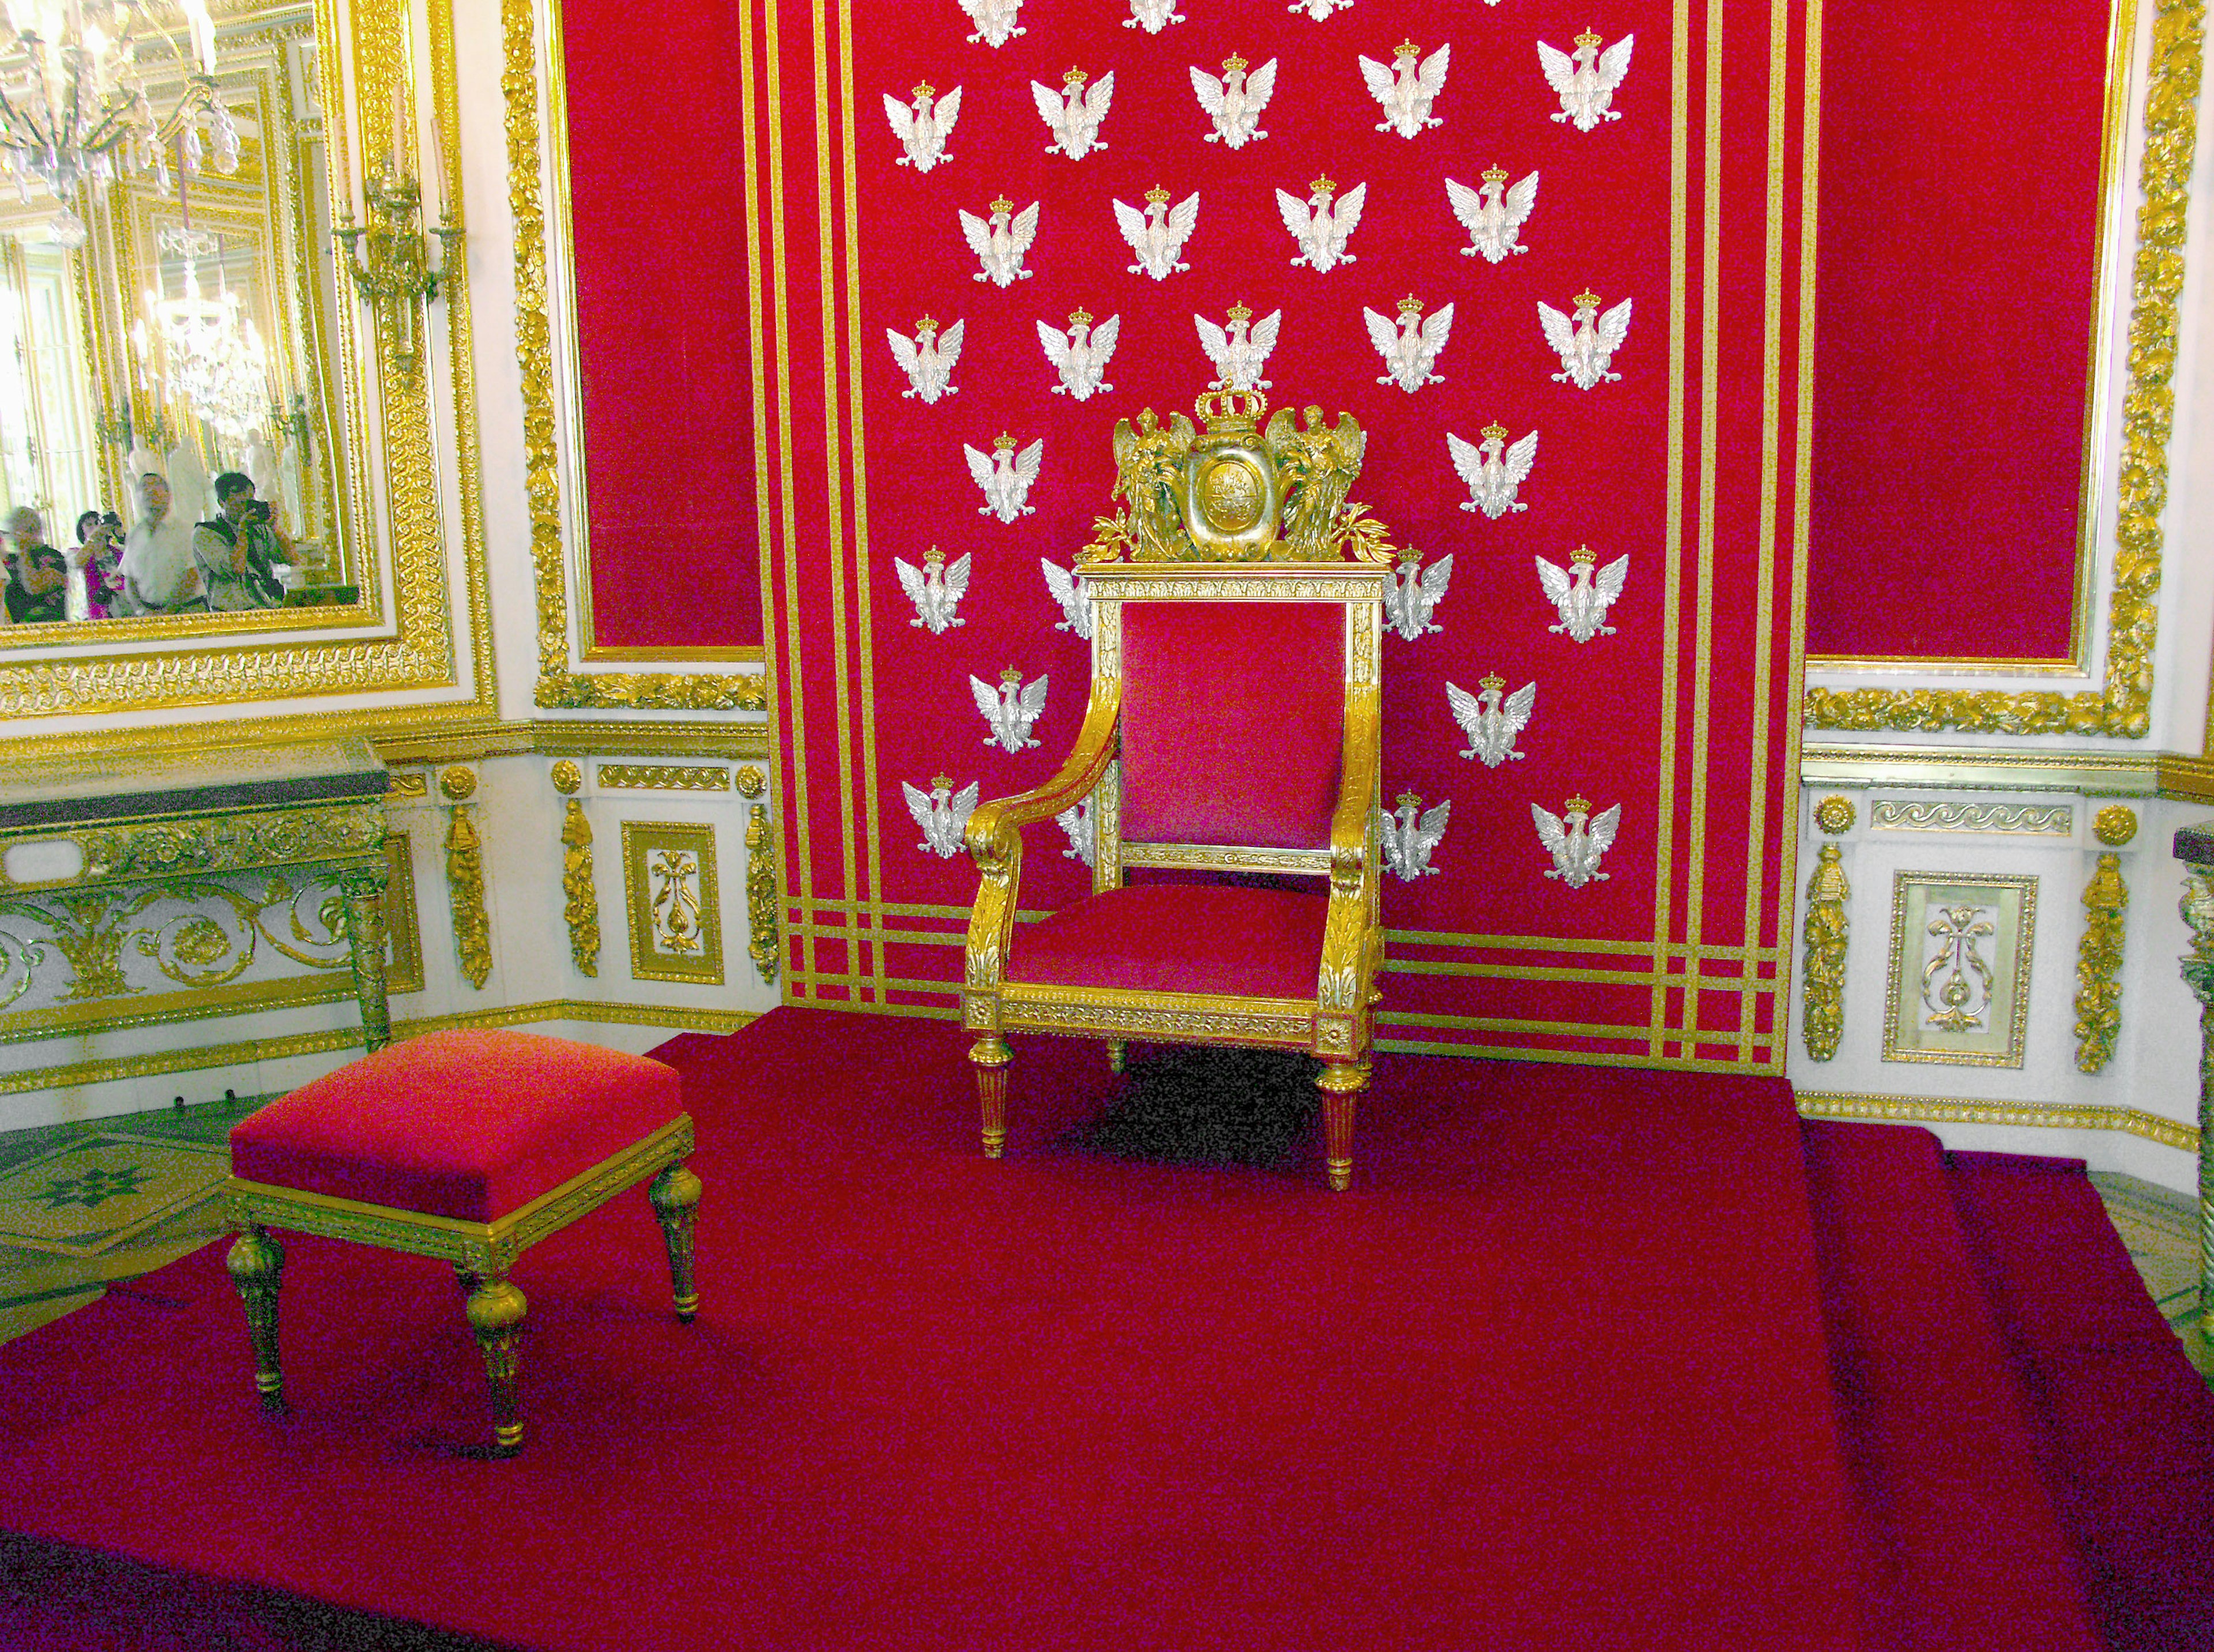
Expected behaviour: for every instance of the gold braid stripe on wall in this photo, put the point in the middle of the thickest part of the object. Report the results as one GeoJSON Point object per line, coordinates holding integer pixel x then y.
{"type": "Point", "coordinates": [2148, 418]}
{"type": "Point", "coordinates": [559, 688]}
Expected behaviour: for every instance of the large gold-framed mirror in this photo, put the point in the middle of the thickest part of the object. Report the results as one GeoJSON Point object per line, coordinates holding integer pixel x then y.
{"type": "Point", "coordinates": [215, 326]}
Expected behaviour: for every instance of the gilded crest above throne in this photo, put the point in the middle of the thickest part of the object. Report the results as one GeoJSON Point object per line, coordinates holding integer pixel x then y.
{"type": "Point", "coordinates": [1236, 491]}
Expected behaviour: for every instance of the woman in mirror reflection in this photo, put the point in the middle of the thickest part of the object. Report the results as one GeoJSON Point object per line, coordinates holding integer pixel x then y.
{"type": "Point", "coordinates": [98, 560]}
{"type": "Point", "coordinates": [36, 572]}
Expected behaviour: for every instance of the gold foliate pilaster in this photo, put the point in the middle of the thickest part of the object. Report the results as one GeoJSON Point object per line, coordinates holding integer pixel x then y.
{"type": "Point", "coordinates": [2099, 957]}
{"type": "Point", "coordinates": [465, 886]}
{"type": "Point", "coordinates": [559, 687]}
{"type": "Point", "coordinates": [582, 911]}
{"type": "Point", "coordinates": [765, 947]}
{"type": "Point", "coordinates": [2120, 708]}
{"type": "Point", "coordinates": [1822, 1021]}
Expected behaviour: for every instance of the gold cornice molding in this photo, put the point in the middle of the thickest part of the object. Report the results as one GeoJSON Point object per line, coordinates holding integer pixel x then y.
{"type": "Point", "coordinates": [2092, 772]}
{"type": "Point", "coordinates": [691, 739]}
{"type": "Point", "coordinates": [2122, 708]}
{"type": "Point", "coordinates": [676, 1018]}
{"type": "Point", "coordinates": [2187, 779]}
{"type": "Point", "coordinates": [2050, 1116]}
{"type": "Point", "coordinates": [560, 687]}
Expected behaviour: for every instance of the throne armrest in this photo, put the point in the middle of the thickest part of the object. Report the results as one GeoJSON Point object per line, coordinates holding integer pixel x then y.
{"type": "Point", "coordinates": [1349, 952]}
{"type": "Point", "coordinates": [994, 828]}
{"type": "Point", "coordinates": [1352, 863]}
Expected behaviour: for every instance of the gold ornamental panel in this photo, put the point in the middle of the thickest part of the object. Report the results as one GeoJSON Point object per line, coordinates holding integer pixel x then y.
{"type": "Point", "coordinates": [674, 906]}
{"type": "Point", "coordinates": [1961, 947]}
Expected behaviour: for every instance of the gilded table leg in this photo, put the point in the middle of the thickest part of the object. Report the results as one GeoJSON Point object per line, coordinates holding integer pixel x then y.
{"type": "Point", "coordinates": [466, 1280]}
{"type": "Point", "coordinates": [362, 886]}
{"type": "Point", "coordinates": [1118, 1051]}
{"type": "Point", "coordinates": [257, 1268]}
{"type": "Point", "coordinates": [676, 1196]}
{"type": "Point", "coordinates": [495, 1309]}
{"type": "Point", "coordinates": [990, 1054]}
{"type": "Point", "coordinates": [1340, 1083]}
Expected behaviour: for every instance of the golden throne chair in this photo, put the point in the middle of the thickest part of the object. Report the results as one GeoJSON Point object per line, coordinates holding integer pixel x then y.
{"type": "Point", "coordinates": [1236, 601]}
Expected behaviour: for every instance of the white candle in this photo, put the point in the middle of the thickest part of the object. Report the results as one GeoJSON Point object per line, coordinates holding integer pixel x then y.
{"type": "Point", "coordinates": [399, 124]}
{"type": "Point", "coordinates": [434, 193]}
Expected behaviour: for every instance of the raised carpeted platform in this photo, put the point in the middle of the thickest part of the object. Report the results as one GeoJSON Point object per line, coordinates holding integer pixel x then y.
{"type": "Point", "coordinates": [1555, 1373]}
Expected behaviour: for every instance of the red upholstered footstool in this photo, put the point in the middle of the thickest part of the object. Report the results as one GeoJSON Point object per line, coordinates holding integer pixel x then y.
{"type": "Point", "coordinates": [468, 1146]}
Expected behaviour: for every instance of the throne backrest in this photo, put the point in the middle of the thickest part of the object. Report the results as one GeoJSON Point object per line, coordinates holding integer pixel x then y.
{"type": "Point", "coordinates": [1232, 721]}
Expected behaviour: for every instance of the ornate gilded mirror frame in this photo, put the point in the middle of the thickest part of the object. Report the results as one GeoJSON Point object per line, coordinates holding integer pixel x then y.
{"type": "Point", "coordinates": [396, 383]}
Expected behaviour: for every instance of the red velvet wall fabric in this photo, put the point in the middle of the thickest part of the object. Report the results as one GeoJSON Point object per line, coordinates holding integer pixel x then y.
{"type": "Point", "coordinates": [1960, 235]}
{"type": "Point", "coordinates": [664, 307]}
{"type": "Point", "coordinates": [1683, 714]}
{"type": "Point", "coordinates": [1233, 715]}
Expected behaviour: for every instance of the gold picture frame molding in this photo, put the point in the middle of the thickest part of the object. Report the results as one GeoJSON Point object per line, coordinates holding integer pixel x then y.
{"type": "Point", "coordinates": [2120, 708]}
{"type": "Point", "coordinates": [421, 651]}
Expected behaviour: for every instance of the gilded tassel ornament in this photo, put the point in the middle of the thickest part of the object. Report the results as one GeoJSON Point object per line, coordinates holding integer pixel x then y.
{"type": "Point", "coordinates": [583, 910]}
{"type": "Point", "coordinates": [766, 946]}
{"type": "Point", "coordinates": [2098, 995]}
{"type": "Point", "coordinates": [1823, 1021]}
{"type": "Point", "coordinates": [465, 886]}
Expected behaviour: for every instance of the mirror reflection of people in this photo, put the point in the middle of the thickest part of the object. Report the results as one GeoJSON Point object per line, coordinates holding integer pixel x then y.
{"type": "Point", "coordinates": [159, 573]}
{"type": "Point", "coordinates": [99, 558]}
{"type": "Point", "coordinates": [237, 549]}
{"type": "Point", "coordinates": [36, 572]}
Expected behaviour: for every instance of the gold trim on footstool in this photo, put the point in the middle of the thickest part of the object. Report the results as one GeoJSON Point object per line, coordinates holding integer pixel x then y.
{"type": "Point", "coordinates": [481, 1253]}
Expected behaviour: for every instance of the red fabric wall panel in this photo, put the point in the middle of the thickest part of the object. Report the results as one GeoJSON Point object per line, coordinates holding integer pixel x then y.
{"type": "Point", "coordinates": [662, 304]}
{"type": "Point", "coordinates": [1959, 235]}
{"type": "Point", "coordinates": [1254, 758]}
{"type": "Point", "coordinates": [1682, 714]}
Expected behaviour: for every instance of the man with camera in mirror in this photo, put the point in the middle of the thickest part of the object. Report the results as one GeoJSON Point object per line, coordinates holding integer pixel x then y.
{"type": "Point", "coordinates": [238, 552]}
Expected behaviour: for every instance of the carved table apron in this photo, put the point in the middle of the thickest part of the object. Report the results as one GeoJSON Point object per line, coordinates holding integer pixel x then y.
{"type": "Point", "coordinates": [154, 821]}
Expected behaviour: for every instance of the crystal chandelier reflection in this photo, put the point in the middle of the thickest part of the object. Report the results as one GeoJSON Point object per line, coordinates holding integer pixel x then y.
{"type": "Point", "coordinates": [211, 356]}
{"type": "Point", "coordinates": [74, 103]}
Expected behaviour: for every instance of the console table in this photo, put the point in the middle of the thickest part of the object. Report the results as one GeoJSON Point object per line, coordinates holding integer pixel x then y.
{"type": "Point", "coordinates": [155, 820]}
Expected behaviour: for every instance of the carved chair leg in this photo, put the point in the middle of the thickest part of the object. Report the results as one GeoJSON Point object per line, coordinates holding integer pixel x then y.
{"type": "Point", "coordinates": [495, 1311]}
{"type": "Point", "coordinates": [990, 1054]}
{"type": "Point", "coordinates": [676, 1196]}
{"type": "Point", "coordinates": [1118, 1053]}
{"type": "Point", "coordinates": [1340, 1083]}
{"type": "Point", "coordinates": [257, 1268]}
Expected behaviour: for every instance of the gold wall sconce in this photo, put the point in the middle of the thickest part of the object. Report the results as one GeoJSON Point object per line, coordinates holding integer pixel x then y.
{"type": "Point", "coordinates": [396, 275]}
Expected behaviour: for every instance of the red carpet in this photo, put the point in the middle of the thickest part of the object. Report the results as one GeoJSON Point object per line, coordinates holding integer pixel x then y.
{"type": "Point", "coordinates": [1554, 1375]}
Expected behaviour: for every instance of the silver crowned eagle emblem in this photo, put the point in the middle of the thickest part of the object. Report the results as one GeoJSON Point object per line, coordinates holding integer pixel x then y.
{"type": "Point", "coordinates": [995, 19]}
{"type": "Point", "coordinates": [1491, 724]}
{"type": "Point", "coordinates": [1410, 349]}
{"type": "Point", "coordinates": [1073, 115]}
{"type": "Point", "coordinates": [1005, 476]}
{"type": "Point", "coordinates": [1587, 80]}
{"type": "Point", "coordinates": [1080, 356]}
{"type": "Point", "coordinates": [1411, 598]}
{"type": "Point", "coordinates": [935, 589]}
{"type": "Point", "coordinates": [1321, 225]}
{"type": "Point", "coordinates": [1576, 843]}
{"type": "Point", "coordinates": [923, 126]}
{"type": "Point", "coordinates": [1153, 15]}
{"type": "Point", "coordinates": [1002, 242]}
{"type": "Point", "coordinates": [1581, 597]}
{"type": "Point", "coordinates": [1406, 91]}
{"type": "Point", "coordinates": [1234, 102]}
{"type": "Point", "coordinates": [1493, 471]}
{"type": "Point", "coordinates": [942, 813]}
{"type": "Point", "coordinates": [1239, 356]}
{"type": "Point", "coordinates": [1318, 9]}
{"type": "Point", "coordinates": [928, 359]}
{"type": "Point", "coordinates": [1492, 213]}
{"type": "Point", "coordinates": [1408, 840]}
{"type": "Point", "coordinates": [1011, 711]}
{"type": "Point", "coordinates": [1586, 342]}
{"type": "Point", "coordinates": [1069, 590]}
{"type": "Point", "coordinates": [1157, 234]}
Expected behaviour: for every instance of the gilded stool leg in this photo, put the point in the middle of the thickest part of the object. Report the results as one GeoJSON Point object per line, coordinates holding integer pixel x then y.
{"type": "Point", "coordinates": [1118, 1051]}
{"type": "Point", "coordinates": [1340, 1083]}
{"type": "Point", "coordinates": [495, 1309]}
{"type": "Point", "coordinates": [257, 1268]}
{"type": "Point", "coordinates": [676, 1196]}
{"type": "Point", "coordinates": [990, 1054]}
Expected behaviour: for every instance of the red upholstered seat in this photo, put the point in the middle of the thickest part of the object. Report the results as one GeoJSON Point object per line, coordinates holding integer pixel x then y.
{"type": "Point", "coordinates": [466, 1124]}
{"type": "Point", "coordinates": [1179, 938]}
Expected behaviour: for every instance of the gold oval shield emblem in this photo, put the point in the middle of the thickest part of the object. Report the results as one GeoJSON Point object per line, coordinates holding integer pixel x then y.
{"type": "Point", "coordinates": [1231, 494]}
